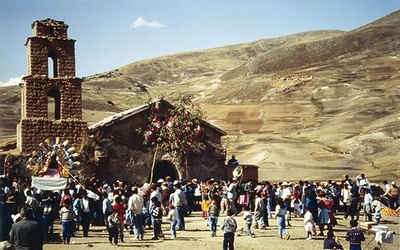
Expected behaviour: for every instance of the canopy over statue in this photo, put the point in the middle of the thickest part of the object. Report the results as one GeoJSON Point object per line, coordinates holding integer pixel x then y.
{"type": "Point", "coordinates": [49, 184]}
{"type": "Point", "coordinates": [52, 165]}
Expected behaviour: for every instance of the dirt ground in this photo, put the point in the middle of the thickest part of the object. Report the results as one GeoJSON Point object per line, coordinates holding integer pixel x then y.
{"type": "Point", "coordinates": [197, 236]}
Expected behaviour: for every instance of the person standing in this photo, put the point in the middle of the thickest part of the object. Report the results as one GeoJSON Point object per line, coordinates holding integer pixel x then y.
{"type": "Point", "coordinates": [213, 213]}
{"type": "Point", "coordinates": [309, 224]}
{"type": "Point", "coordinates": [156, 215]}
{"type": "Point", "coordinates": [119, 207]}
{"type": "Point", "coordinates": [393, 196]}
{"type": "Point", "coordinates": [67, 220]}
{"type": "Point", "coordinates": [367, 205]}
{"type": "Point", "coordinates": [107, 208]}
{"type": "Point", "coordinates": [135, 206]}
{"type": "Point", "coordinates": [86, 214]}
{"type": "Point", "coordinates": [269, 198]}
{"type": "Point", "coordinates": [233, 161]}
{"type": "Point", "coordinates": [77, 208]}
{"type": "Point", "coordinates": [47, 205]}
{"type": "Point", "coordinates": [354, 236]}
{"type": "Point", "coordinates": [280, 212]}
{"type": "Point", "coordinates": [248, 219]}
{"type": "Point", "coordinates": [113, 224]}
{"type": "Point", "coordinates": [259, 212]}
{"type": "Point", "coordinates": [5, 220]}
{"type": "Point", "coordinates": [232, 195]}
{"type": "Point", "coordinates": [178, 199]}
{"type": "Point", "coordinates": [205, 203]}
{"type": "Point", "coordinates": [229, 227]}
{"type": "Point", "coordinates": [173, 219]}
{"type": "Point", "coordinates": [26, 233]}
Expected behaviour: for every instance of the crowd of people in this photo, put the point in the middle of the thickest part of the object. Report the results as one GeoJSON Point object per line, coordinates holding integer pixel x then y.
{"type": "Point", "coordinates": [129, 208]}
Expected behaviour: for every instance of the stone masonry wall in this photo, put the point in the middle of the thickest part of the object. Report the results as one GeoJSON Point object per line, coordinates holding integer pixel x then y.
{"type": "Point", "coordinates": [33, 131]}
{"type": "Point", "coordinates": [50, 41]}
{"type": "Point", "coordinates": [39, 48]}
{"type": "Point", "coordinates": [37, 88]}
{"type": "Point", "coordinates": [50, 28]}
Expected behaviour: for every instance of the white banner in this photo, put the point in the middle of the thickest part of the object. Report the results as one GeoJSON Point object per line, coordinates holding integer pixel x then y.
{"type": "Point", "coordinates": [49, 184]}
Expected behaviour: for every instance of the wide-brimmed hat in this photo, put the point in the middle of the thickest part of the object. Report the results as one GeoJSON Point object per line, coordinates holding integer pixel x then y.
{"type": "Point", "coordinates": [375, 203]}
{"type": "Point", "coordinates": [15, 217]}
{"type": "Point", "coordinates": [11, 199]}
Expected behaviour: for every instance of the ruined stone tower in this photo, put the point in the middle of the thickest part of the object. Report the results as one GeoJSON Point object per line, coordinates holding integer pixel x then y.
{"type": "Point", "coordinates": [51, 95]}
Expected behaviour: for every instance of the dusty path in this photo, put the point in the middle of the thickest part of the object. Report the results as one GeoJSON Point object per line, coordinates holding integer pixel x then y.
{"type": "Point", "coordinates": [197, 236]}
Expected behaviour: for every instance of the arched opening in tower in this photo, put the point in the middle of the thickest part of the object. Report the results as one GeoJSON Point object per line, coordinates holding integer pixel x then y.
{"type": "Point", "coordinates": [54, 104]}
{"type": "Point", "coordinates": [52, 64]}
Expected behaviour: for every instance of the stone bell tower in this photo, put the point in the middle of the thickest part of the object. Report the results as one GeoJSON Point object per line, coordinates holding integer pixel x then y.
{"type": "Point", "coordinates": [51, 95]}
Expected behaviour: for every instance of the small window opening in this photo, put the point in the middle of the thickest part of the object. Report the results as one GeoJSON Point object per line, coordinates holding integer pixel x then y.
{"type": "Point", "coordinates": [52, 65]}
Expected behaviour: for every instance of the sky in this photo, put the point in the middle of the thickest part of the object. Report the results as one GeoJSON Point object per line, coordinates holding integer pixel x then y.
{"type": "Point", "coordinates": [110, 34]}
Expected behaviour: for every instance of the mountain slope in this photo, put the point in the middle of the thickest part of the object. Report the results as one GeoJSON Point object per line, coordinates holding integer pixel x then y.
{"type": "Point", "coordinates": [314, 105]}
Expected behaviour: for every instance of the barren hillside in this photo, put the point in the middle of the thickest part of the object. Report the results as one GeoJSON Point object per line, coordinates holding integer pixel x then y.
{"type": "Point", "coordinates": [313, 105]}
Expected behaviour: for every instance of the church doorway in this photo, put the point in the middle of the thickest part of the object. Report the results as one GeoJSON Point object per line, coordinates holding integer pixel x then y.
{"type": "Point", "coordinates": [163, 169]}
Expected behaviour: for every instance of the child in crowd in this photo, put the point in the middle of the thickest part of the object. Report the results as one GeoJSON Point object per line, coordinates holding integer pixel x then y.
{"type": "Point", "coordinates": [355, 236]}
{"type": "Point", "coordinates": [213, 213]}
{"type": "Point", "coordinates": [280, 212]}
{"type": "Point", "coordinates": [229, 226]}
{"type": "Point", "coordinates": [119, 207]}
{"type": "Point", "coordinates": [173, 218]}
{"type": "Point", "coordinates": [297, 207]}
{"type": "Point", "coordinates": [330, 243]}
{"type": "Point", "coordinates": [67, 220]}
{"type": "Point", "coordinates": [127, 221]}
{"type": "Point", "coordinates": [248, 219]}
{"type": "Point", "coordinates": [309, 224]}
{"type": "Point", "coordinates": [204, 207]}
{"type": "Point", "coordinates": [377, 208]}
{"type": "Point", "coordinates": [113, 224]}
{"type": "Point", "coordinates": [157, 220]}
{"type": "Point", "coordinates": [288, 215]}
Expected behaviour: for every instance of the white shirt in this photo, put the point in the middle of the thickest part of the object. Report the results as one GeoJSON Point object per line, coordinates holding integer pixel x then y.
{"type": "Point", "coordinates": [279, 210]}
{"type": "Point", "coordinates": [85, 205]}
{"type": "Point", "coordinates": [368, 198]}
{"type": "Point", "coordinates": [157, 194]}
{"type": "Point", "coordinates": [136, 203]}
{"type": "Point", "coordinates": [178, 198]}
{"type": "Point", "coordinates": [286, 192]}
{"type": "Point", "coordinates": [172, 215]}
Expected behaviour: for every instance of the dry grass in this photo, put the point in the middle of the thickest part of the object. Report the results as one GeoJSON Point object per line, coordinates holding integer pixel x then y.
{"type": "Point", "coordinates": [302, 106]}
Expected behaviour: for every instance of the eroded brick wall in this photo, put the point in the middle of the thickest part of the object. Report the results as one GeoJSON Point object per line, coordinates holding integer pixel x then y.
{"type": "Point", "coordinates": [39, 48]}
{"type": "Point", "coordinates": [37, 89]}
{"type": "Point", "coordinates": [50, 40]}
{"type": "Point", "coordinates": [32, 131]}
